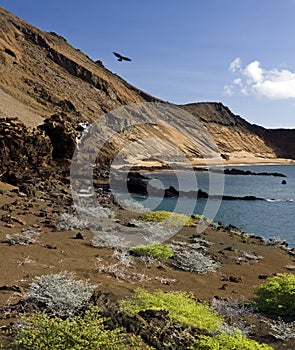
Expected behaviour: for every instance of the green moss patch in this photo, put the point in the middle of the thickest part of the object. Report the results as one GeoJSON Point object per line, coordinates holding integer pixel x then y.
{"type": "Point", "coordinates": [228, 341]}
{"type": "Point", "coordinates": [157, 251]}
{"type": "Point", "coordinates": [171, 219]}
{"type": "Point", "coordinates": [181, 307]}
{"type": "Point", "coordinates": [39, 331]}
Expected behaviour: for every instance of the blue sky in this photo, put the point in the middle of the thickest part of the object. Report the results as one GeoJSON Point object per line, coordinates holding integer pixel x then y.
{"type": "Point", "coordinates": [238, 52]}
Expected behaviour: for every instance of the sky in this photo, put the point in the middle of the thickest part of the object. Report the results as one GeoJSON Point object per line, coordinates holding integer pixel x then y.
{"type": "Point", "coordinates": [238, 52]}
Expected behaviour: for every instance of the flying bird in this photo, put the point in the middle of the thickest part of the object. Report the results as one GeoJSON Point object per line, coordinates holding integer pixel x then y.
{"type": "Point", "coordinates": [121, 58]}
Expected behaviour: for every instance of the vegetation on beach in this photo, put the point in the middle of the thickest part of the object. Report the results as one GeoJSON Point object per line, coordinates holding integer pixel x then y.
{"type": "Point", "coordinates": [184, 310]}
{"type": "Point", "coordinates": [276, 295]}
{"type": "Point", "coordinates": [68, 222]}
{"type": "Point", "coordinates": [194, 261]}
{"type": "Point", "coordinates": [40, 331]}
{"type": "Point", "coordinates": [170, 218]}
{"type": "Point", "coordinates": [26, 237]}
{"type": "Point", "coordinates": [87, 327]}
{"type": "Point", "coordinates": [157, 251]}
{"type": "Point", "coordinates": [225, 341]}
{"type": "Point", "coordinates": [61, 293]}
{"type": "Point", "coordinates": [181, 307]}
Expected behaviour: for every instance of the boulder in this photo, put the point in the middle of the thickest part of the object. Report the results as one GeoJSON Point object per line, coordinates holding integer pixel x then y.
{"type": "Point", "coordinates": [62, 132]}
{"type": "Point", "coordinates": [22, 148]}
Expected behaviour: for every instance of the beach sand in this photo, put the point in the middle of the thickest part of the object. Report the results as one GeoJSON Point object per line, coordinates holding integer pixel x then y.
{"type": "Point", "coordinates": [56, 251]}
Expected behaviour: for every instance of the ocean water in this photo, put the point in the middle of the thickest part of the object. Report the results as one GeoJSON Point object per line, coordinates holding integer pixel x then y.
{"type": "Point", "coordinates": [271, 218]}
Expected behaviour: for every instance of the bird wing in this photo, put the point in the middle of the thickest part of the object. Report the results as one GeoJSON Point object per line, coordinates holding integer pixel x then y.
{"type": "Point", "coordinates": [117, 55]}
{"type": "Point", "coordinates": [126, 58]}
{"type": "Point", "coordinates": [121, 58]}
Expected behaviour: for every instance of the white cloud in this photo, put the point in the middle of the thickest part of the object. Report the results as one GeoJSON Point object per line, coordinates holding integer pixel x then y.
{"type": "Point", "coordinates": [235, 65]}
{"type": "Point", "coordinates": [238, 81]}
{"type": "Point", "coordinates": [228, 90]}
{"type": "Point", "coordinates": [253, 79]}
{"type": "Point", "coordinates": [254, 71]}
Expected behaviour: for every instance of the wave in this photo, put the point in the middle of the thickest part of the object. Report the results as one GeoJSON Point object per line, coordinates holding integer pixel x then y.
{"type": "Point", "coordinates": [279, 200]}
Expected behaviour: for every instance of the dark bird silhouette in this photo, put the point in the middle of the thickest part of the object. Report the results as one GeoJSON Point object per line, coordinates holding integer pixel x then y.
{"type": "Point", "coordinates": [121, 58]}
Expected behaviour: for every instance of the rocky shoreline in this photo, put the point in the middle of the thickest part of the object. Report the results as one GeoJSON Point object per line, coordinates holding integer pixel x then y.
{"type": "Point", "coordinates": [138, 184]}
{"type": "Point", "coordinates": [244, 261]}
{"type": "Point", "coordinates": [35, 194]}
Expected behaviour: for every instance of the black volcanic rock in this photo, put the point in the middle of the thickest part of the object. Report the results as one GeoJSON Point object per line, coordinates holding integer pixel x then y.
{"type": "Point", "coordinates": [249, 172]}
{"type": "Point", "coordinates": [62, 132]}
{"type": "Point", "coordinates": [171, 192]}
{"type": "Point", "coordinates": [22, 148]}
{"type": "Point", "coordinates": [137, 185]}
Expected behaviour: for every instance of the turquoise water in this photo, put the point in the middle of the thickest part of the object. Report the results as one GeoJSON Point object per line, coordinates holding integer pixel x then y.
{"type": "Point", "coordinates": [271, 218]}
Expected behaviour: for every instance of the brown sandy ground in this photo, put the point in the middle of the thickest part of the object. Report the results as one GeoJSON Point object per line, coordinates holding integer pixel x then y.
{"type": "Point", "coordinates": [59, 251]}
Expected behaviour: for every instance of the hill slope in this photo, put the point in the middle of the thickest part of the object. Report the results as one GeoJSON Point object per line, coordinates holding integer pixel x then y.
{"type": "Point", "coordinates": [46, 75]}
{"type": "Point", "coordinates": [42, 75]}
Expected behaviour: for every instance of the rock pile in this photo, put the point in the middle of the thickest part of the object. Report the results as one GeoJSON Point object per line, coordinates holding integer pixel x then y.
{"type": "Point", "coordinates": [22, 148]}
{"type": "Point", "coordinates": [63, 133]}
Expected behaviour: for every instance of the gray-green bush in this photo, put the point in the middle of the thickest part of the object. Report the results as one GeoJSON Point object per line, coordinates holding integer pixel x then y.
{"type": "Point", "coordinates": [61, 293]}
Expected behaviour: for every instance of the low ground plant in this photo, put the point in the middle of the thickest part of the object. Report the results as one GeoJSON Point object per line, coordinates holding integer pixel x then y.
{"type": "Point", "coordinates": [123, 256]}
{"type": "Point", "coordinates": [282, 330]}
{"type": "Point", "coordinates": [187, 258]}
{"type": "Point", "coordinates": [193, 261]}
{"type": "Point", "coordinates": [166, 281]}
{"type": "Point", "coordinates": [108, 240]}
{"type": "Point", "coordinates": [276, 295]}
{"type": "Point", "coordinates": [40, 331]}
{"type": "Point", "coordinates": [120, 272]}
{"type": "Point", "coordinates": [61, 293]}
{"type": "Point", "coordinates": [97, 211]}
{"type": "Point", "coordinates": [69, 222]}
{"type": "Point", "coordinates": [153, 232]}
{"type": "Point", "coordinates": [181, 307]}
{"type": "Point", "coordinates": [225, 341]}
{"type": "Point", "coordinates": [25, 237]}
{"type": "Point", "coordinates": [231, 308]}
{"type": "Point", "coordinates": [157, 251]}
{"type": "Point", "coordinates": [133, 205]}
{"type": "Point", "coordinates": [170, 218]}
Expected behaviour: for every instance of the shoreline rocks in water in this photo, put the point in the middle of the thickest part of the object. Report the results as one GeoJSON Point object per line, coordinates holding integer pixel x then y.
{"type": "Point", "coordinates": [232, 171]}
{"type": "Point", "coordinates": [235, 171]}
{"type": "Point", "coordinates": [138, 184]}
{"type": "Point", "coordinates": [171, 192]}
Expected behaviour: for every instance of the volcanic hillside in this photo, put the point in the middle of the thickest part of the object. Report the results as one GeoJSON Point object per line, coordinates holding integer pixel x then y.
{"type": "Point", "coordinates": [43, 75]}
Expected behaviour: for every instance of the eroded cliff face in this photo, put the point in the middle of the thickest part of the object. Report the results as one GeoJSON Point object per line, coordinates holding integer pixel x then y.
{"type": "Point", "coordinates": [283, 140]}
{"type": "Point", "coordinates": [42, 75]}
{"type": "Point", "coordinates": [236, 137]}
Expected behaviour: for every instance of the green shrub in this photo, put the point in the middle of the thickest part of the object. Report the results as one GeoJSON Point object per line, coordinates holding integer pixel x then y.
{"type": "Point", "coordinates": [158, 251]}
{"type": "Point", "coordinates": [276, 295]}
{"type": "Point", "coordinates": [38, 331]}
{"type": "Point", "coordinates": [182, 308]}
{"type": "Point", "coordinates": [224, 341]}
{"type": "Point", "coordinates": [169, 218]}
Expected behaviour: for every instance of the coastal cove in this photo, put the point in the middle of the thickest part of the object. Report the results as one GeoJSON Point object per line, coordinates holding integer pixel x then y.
{"type": "Point", "coordinates": [270, 218]}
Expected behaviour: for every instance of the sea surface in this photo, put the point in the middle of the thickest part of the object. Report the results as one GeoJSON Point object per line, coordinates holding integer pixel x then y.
{"type": "Point", "coordinates": [272, 218]}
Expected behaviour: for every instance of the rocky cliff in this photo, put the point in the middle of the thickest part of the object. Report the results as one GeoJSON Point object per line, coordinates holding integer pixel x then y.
{"type": "Point", "coordinates": [236, 137]}
{"type": "Point", "coordinates": [42, 76]}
